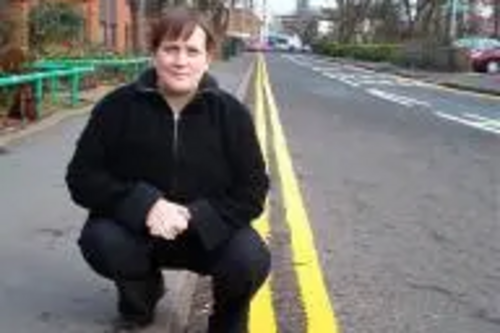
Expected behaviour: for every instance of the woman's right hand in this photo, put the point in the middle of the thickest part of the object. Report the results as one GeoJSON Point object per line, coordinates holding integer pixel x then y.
{"type": "Point", "coordinates": [167, 219]}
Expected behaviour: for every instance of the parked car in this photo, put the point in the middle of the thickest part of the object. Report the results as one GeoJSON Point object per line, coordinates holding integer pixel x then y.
{"type": "Point", "coordinates": [483, 53]}
{"type": "Point", "coordinates": [284, 42]}
{"type": "Point", "coordinates": [257, 46]}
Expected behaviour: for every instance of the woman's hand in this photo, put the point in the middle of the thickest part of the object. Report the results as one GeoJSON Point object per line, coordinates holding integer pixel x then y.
{"type": "Point", "coordinates": [167, 219]}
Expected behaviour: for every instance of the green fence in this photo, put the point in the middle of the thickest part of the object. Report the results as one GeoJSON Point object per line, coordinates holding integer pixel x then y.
{"type": "Point", "coordinates": [38, 79]}
{"type": "Point", "coordinates": [128, 67]}
{"type": "Point", "coordinates": [50, 74]}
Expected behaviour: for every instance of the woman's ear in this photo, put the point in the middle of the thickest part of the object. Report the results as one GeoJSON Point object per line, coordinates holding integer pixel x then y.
{"type": "Point", "coordinates": [210, 58]}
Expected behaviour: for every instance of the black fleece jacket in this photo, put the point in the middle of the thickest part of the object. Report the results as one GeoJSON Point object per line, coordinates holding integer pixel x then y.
{"type": "Point", "coordinates": [134, 151]}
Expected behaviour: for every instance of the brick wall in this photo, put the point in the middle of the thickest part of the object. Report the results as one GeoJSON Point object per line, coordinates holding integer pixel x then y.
{"type": "Point", "coordinates": [123, 26]}
{"type": "Point", "coordinates": [17, 11]}
{"type": "Point", "coordinates": [116, 21]}
{"type": "Point", "coordinates": [243, 22]}
{"type": "Point", "coordinates": [114, 24]}
{"type": "Point", "coordinates": [90, 11]}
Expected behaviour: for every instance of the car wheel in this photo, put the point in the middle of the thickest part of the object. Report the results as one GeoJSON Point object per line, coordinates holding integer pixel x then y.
{"type": "Point", "coordinates": [493, 66]}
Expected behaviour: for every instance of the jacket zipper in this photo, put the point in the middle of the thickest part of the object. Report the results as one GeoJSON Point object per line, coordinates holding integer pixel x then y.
{"type": "Point", "coordinates": [175, 149]}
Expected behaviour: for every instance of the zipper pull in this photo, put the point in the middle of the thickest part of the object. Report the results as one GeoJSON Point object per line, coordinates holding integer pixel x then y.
{"type": "Point", "coordinates": [177, 116]}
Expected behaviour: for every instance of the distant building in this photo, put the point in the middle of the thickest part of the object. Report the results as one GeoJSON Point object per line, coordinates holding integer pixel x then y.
{"type": "Point", "coordinates": [325, 28]}
{"type": "Point", "coordinates": [298, 23]}
{"type": "Point", "coordinates": [244, 23]}
{"type": "Point", "coordinates": [302, 6]}
{"type": "Point", "coordinates": [107, 22]}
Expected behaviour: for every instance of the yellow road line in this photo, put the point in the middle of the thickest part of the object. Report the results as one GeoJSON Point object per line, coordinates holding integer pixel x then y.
{"type": "Point", "coordinates": [318, 310]}
{"type": "Point", "coordinates": [262, 317]}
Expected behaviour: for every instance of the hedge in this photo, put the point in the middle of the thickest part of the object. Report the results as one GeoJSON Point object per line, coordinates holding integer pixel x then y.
{"type": "Point", "coordinates": [368, 52]}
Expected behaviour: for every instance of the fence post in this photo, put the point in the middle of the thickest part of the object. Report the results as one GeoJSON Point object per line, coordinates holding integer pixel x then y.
{"type": "Point", "coordinates": [75, 78]}
{"type": "Point", "coordinates": [54, 87]}
{"type": "Point", "coordinates": [38, 97]}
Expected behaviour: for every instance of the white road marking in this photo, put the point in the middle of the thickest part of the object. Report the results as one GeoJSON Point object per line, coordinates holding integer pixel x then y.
{"type": "Point", "coordinates": [485, 120]}
{"type": "Point", "coordinates": [403, 100]}
{"type": "Point", "coordinates": [334, 71]}
{"type": "Point", "coordinates": [490, 121]}
{"type": "Point", "coordinates": [360, 77]}
{"type": "Point", "coordinates": [482, 125]}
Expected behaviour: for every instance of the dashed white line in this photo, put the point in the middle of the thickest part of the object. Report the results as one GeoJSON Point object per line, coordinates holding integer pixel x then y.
{"type": "Point", "coordinates": [485, 120]}
{"type": "Point", "coordinates": [355, 80]}
{"type": "Point", "coordinates": [476, 124]}
{"type": "Point", "coordinates": [403, 100]}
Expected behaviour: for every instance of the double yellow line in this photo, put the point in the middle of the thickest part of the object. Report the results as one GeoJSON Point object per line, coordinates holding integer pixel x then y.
{"type": "Point", "coordinates": [262, 316]}
{"type": "Point", "coordinates": [320, 317]}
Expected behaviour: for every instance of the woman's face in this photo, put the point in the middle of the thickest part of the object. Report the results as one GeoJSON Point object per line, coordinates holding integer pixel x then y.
{"type": "Point", "coordinates": [180, 64]}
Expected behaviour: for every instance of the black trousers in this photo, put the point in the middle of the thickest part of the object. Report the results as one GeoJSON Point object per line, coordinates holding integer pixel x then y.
{"type": "Point", "coordinates": [238, 267]}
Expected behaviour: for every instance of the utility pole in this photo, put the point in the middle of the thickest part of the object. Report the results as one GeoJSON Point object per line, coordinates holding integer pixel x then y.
{"type": "Point", "coordinates": [453, 19]}
{"type": "Point", "coordinates": [263, 30]}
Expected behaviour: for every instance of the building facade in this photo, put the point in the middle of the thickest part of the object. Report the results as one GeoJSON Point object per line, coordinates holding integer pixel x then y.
{"type": "Point", "coordinates": [107, 22]}
{"type": "Point", "coordinates": [244, 23]}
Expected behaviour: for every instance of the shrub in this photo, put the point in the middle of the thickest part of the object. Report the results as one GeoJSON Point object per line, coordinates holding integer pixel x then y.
{"type": "Point", "coordinates": [368, 52]}
{"type": "Point", "coordinates": [55, 26]}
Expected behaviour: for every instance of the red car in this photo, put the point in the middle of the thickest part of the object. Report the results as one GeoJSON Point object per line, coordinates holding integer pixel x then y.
{"type": "Point", "coordinates": [484, 53]}
{"type": "Point", "coordinates": [257, 46]}
{"type": "Point", "coordinates": [485, 60]}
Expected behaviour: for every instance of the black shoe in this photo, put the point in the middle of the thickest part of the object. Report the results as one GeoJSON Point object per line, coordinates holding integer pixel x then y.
{"type": "Point", "coordinates": [137, 301]}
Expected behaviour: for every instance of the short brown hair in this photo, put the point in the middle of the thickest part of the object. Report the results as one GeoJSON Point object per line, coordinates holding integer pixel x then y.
{"type": "Point", "coordinates": [179, 23]}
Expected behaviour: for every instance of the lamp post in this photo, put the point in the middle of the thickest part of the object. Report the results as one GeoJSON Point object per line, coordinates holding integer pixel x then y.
{"type": "Point", "coordinates": [264, 29]}
{"type": "Point", "coordinates": [453, 8]}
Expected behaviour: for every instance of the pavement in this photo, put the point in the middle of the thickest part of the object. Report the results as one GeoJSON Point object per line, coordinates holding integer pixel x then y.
{"type": "Point", "coordinates": [46, 286]}
{"type": "Point", "coordinates": [468, 81]}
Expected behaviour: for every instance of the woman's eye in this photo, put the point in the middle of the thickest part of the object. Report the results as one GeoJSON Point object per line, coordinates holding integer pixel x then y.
{"type": "Point", "coordinates": [169, 49]}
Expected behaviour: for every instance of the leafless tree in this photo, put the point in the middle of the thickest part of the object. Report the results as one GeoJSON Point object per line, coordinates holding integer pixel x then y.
{"type": "Point", "coordinates": [385, 18]}
{"type": "Point", "coordinates": [350, 15]}
{"type": "Point", "coordinates": [496, 18]}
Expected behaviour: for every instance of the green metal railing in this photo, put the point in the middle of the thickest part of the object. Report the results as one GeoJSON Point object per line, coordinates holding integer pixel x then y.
{"type": "Point", "coordinates": [130, 67]}
{"type": "Point", "coordinates": [50, 73]}
{"type": "Point", "coordinates": [37, 80]}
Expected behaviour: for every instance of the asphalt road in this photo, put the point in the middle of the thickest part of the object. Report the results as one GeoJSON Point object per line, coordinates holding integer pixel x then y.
{"type": "Point", "coordinates": [401, 182]}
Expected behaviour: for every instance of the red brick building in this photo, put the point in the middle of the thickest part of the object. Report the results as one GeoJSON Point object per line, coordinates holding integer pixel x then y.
{"type": "Point", "coordinates": [244, 23]}
{"type": "Point", "coordinates": [107, 22]}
